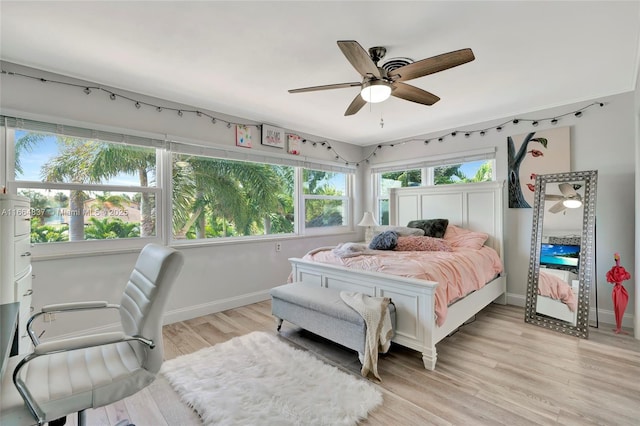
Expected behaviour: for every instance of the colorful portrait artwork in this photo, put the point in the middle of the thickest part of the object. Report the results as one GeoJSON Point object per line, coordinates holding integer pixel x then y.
{"type": "Point", "coordinates": [243, 136]}
{"type": "Point", "coordinates": [535, 153]}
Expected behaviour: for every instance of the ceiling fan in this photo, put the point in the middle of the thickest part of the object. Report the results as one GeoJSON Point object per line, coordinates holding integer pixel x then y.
{"type": "Point", "coordinates": [378, 83]}
{"type": "Point", "coordinates": [570, 199]}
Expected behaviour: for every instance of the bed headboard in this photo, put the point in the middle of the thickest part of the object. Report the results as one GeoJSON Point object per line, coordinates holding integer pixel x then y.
{"type": "Point", "coordinates": [475, 206]}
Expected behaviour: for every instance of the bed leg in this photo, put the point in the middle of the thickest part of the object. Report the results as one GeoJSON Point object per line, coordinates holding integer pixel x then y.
{"type": "Point", "coordinates": [278, 323]}
{"type": "Point", "coordinates": [429, 358]}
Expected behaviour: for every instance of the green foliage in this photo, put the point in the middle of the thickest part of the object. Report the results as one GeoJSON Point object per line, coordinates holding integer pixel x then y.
{"type": "Point", "coordinates": [452, 174]}
{"type": "Point", "coordinates": [110, 228]}
{"type": "Point", "coordinates": [26, 143]}
{"type": "Point", "coordinates": [48, 233]}
{"type": "Point", "coordinates": [220, 198]}
{"type": "Point", "coordinates": [448, 174]}
{"type": "Point", "coordinates": [406, 177]}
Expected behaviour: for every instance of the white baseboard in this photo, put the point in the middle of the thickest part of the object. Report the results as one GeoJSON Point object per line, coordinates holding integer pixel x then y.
{"type": "Point", "coordinates": [182, 314]}
{"type": "Point", "coordinates": [194, 311]}
{"type": "Point", "coordinates": [604, 316]}
{"type": "Point", "coordinates": [516, 300]}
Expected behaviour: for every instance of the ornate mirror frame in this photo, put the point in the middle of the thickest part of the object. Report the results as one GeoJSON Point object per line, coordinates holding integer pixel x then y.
{"type": "Point", "coordinates": [586, 258]}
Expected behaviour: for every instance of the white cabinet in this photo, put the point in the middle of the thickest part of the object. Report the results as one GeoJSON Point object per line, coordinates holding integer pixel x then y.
{"type": "Point", "coordinates": [15, 259]}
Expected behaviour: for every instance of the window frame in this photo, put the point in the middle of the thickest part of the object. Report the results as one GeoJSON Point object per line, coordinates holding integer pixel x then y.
{"type": "Point", "coordinates": [217, 240]}
{"type": "Point", "coordinates": [346, 203]}
{"type": "Point", "coordinates": [427, 174]}
{"type": "Point", "coordinates": [163, 190]}
{"type": "Point", "coordinates": [85, 246]}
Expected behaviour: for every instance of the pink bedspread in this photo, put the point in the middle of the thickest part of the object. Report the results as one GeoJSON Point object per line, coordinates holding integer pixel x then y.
{"type": "Point", "coordinates": [556, 288]}
{"type": "Point", "coordinates": [458, 272]}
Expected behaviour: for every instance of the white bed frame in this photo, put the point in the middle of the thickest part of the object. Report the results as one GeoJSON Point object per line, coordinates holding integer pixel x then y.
{"type": "Point", "coordinates": [477, 206]}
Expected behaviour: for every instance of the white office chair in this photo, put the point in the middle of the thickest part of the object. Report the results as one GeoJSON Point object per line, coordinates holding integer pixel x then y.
{"type": "Point", "coordinates": [67, 376]}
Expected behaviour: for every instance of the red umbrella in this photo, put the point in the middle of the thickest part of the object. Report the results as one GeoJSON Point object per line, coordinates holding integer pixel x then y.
{"type": "Point", "coordinates": [620, 297]}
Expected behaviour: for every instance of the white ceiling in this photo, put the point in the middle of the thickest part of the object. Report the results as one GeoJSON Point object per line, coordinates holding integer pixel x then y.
{"type": "Point", "coordinates": [240, 58]}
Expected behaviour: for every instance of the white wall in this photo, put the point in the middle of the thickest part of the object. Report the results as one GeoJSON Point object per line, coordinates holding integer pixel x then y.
{"type": "Point", "coordinates": [602, 139]}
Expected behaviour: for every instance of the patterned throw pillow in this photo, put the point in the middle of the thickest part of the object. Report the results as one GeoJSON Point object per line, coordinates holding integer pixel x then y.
{"type": "Point", "coordinates": [431, 227]}
{"type": "Point", "coordinates": [422, 244]}
{"type": "Point", "coordinates": [386, 240]}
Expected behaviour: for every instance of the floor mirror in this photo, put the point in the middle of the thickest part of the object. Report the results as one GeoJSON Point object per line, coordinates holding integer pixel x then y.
{"type": "Point", "coordinates": [562, 260]}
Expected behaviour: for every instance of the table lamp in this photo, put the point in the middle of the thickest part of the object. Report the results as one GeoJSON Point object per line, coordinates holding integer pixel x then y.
{"type": "Point", "coordinates": [369, 221]}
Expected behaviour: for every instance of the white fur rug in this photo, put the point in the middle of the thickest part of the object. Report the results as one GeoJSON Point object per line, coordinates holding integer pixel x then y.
{"type": "Point", "coordinates": [257, 379]}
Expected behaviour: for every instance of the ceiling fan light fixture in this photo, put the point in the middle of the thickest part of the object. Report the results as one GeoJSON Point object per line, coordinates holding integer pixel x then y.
{"type": "Point", "coordinates": [572, 203]}
{"type": "Point", "coordinates": [375, 91]}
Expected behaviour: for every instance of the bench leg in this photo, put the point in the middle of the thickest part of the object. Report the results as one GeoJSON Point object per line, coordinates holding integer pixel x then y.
{"type": "Point", "coordinates": [278, 324]}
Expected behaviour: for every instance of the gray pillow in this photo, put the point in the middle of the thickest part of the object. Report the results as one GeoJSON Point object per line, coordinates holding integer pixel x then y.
{"type": "Point", "coordinates": [431, 227]}
{"type": "Point", "coordinates": [387, 240]}
{"type": "Point", "coordinates": [402, 231]}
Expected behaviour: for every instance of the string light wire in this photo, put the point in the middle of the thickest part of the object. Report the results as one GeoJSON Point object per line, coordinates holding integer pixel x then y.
{"type": "Point", "coordinates": [181, 111]}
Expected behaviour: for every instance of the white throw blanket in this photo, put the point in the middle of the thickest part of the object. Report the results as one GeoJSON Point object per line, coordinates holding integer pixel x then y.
{"type": "Point", "coordinates": [376, 316]}
{"type": "Point", "coordinates": [351, 249]}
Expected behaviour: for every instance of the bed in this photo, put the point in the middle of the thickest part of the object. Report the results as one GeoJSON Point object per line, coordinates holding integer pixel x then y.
{"type": "Point", "coordinates": [477, 207]}
{"type": "Point", "coordinates": [557, 296]}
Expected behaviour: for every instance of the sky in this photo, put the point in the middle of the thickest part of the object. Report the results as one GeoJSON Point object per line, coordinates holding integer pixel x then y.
{"type": "Point", "coordinates": [46, 149]}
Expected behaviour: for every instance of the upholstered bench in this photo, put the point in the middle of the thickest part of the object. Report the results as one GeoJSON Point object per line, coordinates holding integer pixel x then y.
{"type": "Point", "coordinates": [321, 311]}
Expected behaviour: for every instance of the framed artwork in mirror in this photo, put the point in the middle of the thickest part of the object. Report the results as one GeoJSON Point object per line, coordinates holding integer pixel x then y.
{"type": "Point", "coordinates": [561, 263]}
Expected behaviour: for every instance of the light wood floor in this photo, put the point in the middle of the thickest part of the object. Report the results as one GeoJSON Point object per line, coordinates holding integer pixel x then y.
{"type": "Point", "coordinates": [495, 370]}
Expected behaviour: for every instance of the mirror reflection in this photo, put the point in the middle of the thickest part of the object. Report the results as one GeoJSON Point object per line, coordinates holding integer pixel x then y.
{"type": "Point", "coordinates": [561, 252]}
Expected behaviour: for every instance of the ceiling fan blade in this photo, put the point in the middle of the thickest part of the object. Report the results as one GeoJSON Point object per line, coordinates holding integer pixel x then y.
{"type": "Point", "coordinates": [567, 190]}
{"type": "Point", "coordinates": [432, 65]}
{"type": "Point", "coordinates": [553, 197]}
{"type": "Point", "coordinates": [326, 87]}
{"type": "Point", "coordinates": [413, 94]}
{"type": "Point", "coordinates": [359, 58]}
{"type": "Point", "coordinates": [557, 207]}
{"type": "Point", "coordinates": [355, 105]}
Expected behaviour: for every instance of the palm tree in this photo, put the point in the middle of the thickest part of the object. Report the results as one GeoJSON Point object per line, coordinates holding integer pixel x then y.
{"type": "Point", "coordinates": [109, 228]}
{"type": "Point", "coordinates": [484, 173]}
{"type": "Point", "coordinates": [405, 177]}
{"type": "Point", "coordinates": [73, 164]}
{"type": "Point", "coordinates": [26, 144]}
{"type": "Point", "coordinates": [448, 174]}
{"type": "Point", "coordinates": [241, 194]}
{"type": "Point", "coordinates": [111, 160]}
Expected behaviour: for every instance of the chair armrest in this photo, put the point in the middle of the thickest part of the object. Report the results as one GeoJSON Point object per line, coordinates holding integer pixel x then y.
{"type": "Point", "coordinates": [60, 307]}
{"type": "Point", "coordinates": [83, 342]}
{"type": "Point", "coordinates": [65, 307]}
{"type": "Point", "coordinates": [80, 342]}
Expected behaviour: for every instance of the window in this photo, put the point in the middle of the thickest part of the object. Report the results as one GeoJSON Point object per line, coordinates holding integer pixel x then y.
{"type": "Point", "coordinates": [472, 171]}
{"type": "Point", "coordinates": [388, 180]}
{"type": "Point", "coordinates": [326, 202]}
{"type": "Point", "coordinates": [85, 189]}
{"type": "Point", "coordinates": [92, 190]}
{"type": "Point", "coordinates": [215, 198]}
{"type": "Point", "coordinates": [474, 167]}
